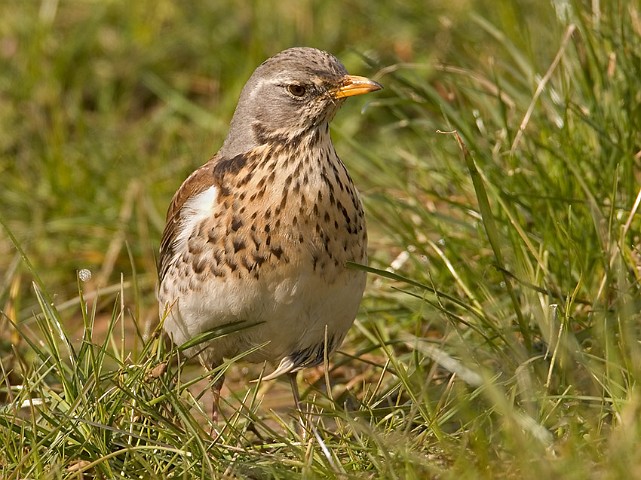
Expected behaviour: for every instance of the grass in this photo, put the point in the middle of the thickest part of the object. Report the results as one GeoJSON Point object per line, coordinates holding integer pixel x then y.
{"type": "Point", "coordinates": [499, 334]}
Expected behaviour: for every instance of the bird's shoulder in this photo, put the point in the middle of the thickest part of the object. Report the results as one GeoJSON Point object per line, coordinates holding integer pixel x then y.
{"type": "Point", "coordinates": [214, 173]}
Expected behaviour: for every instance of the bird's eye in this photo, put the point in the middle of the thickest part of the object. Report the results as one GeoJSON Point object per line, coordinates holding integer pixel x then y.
{"type": "Point", "coordinates": [296, 89]}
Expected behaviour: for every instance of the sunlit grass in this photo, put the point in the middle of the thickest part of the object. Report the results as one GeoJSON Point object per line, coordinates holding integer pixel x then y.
{"type": "Point", "coordinates": [499, 335]}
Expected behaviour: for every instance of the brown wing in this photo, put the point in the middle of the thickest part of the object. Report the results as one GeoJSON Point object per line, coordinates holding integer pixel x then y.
{"type": "Point", "coordinates": [214, 172]}
{"type": "Point", "coordinates": [197, 182]}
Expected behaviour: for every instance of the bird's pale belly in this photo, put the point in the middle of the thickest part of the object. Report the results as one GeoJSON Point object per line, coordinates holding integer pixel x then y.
{"type": "Point", "coordinates": [293, 305]}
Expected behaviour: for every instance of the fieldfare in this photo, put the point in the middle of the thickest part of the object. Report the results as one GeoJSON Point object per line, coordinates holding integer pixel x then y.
{"type": "Point", "coordinates": [263, 231]}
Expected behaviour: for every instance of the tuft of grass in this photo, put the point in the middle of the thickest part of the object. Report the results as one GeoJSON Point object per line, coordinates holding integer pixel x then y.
{"type": "Point", "coordinates": [547, 192]}
{"type": "Point", "coordinates": [499, 336]}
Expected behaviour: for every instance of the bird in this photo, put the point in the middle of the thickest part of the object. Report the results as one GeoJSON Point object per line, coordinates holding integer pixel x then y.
{"type": "Point", "coordinates": [263, 232]}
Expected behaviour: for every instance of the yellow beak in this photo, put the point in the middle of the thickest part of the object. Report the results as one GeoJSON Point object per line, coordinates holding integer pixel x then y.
{"type": "Point", "coordinates": [354, 85]}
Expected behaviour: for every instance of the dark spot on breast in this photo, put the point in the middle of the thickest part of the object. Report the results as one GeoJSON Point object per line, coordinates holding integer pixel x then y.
{"type": "Point", "coordinates": [229, 165]}
{"type": "Point", "coordinates": [325, 239]}
{"type": "Point", "coordinates": [236, 223]}
{"type": "Point", "coordinates": [344, 212]}
{"type": "Point", "coordinates": [258, 258]}
{"type": "Point", "coordinates": [244, 180]}
{"type": "Point", "coordinates": [283, 200]}
{"type": "Point", "coordinates": [199, 265]}
{"type": "Point", "coordinates": [256, 240]}
{"type": "Point", "coordinates": [238, 245]}
{"type": "Point", "coordinates": [357, 206]}
{"type": "Point", "coordinates": [216, 271]}
{"type": "Point", "coordinates": [247, 264]}
{"type": "Point", "coordinates": [277, 252]}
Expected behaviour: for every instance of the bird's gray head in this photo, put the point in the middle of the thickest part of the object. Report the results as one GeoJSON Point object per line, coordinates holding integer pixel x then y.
{"type": "Point", "coordinates": [290, 94]}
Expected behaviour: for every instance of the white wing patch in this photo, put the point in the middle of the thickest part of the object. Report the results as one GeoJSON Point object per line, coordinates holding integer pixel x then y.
{"type": "Point", "coordinates": [195, 210]}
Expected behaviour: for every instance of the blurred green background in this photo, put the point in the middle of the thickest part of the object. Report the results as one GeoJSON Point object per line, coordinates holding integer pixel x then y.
{"type": "Point", "coordinates": [107, 106]}
{"type": "Point", "coordinates": [499, 336]}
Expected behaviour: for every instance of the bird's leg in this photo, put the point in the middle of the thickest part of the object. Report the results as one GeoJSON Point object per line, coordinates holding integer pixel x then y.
{"type": "Point", "coordinates": [304, 419]}
{"type": "Point", "coordinates": [295, 393]}
{"type": "Point", "coordinates": [306, 424]}
{"type": "Point", "coordinates": [215, 391]}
